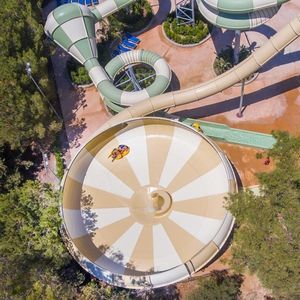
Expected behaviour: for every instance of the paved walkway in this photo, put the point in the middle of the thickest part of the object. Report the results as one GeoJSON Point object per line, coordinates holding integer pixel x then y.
{"type": "Point", "coordinates": [82, 109]}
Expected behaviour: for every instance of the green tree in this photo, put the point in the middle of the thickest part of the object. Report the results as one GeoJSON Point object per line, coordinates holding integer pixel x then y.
{"type": "Point", "coordinates": [30, 242]}
{"type": "Point", "coordinates": [132, 18]}
{"type": "Point", "coordinates": [94, 290]}
{"type": "Point", "coordinates": [24, 115]}
{"type": "Point", "coordinates": [51, 288]}
{"type": "Point", "coordinates": [30, 220]}
{"type": "Point", "coordinates": [220, 285]}
{"type": "Point", "coordinates": [14, 166]}
{"type": "Point", "coordinates": [267, 238]}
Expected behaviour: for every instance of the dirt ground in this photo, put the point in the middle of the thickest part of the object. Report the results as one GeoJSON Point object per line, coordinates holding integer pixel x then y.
{"type": "Point", "coordinates": [251, 288]}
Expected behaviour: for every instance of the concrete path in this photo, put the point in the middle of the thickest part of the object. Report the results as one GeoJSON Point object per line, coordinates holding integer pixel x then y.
{"type": "Point", "coordinates": [82, 109]}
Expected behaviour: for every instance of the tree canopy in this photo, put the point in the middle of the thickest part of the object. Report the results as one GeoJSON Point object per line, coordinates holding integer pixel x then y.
{"type": "Point", "coordinates": [267, 237]}
{"type": "Point", "coordinates": [24, 114]}
{"type": "Point", "coordinates": [29, 235]}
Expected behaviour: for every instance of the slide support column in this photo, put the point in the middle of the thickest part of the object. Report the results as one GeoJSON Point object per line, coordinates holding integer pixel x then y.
{"type": "Point", "coordinates": [237, 42]}
{"type": "Point", "coordinates": [240, 113]}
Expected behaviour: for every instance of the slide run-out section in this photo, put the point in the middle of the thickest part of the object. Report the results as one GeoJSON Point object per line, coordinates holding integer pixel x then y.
{"type": "Point", "coordinates": [224, 133]}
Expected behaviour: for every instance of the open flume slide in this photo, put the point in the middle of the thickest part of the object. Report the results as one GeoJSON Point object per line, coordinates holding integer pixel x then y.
{"type": "Point", "coordinates": [139, 207]}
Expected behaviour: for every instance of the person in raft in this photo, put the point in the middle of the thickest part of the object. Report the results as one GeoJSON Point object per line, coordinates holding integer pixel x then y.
{"type": "Point", "coordinates": [120, 152]}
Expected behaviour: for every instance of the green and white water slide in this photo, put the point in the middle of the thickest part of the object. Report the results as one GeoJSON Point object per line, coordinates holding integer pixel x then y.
{"type": "Point", "coordinates": [72, 27]}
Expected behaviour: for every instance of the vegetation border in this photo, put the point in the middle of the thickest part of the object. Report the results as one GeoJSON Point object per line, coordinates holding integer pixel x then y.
{"type": "Point", "coordinates": [184, 45]}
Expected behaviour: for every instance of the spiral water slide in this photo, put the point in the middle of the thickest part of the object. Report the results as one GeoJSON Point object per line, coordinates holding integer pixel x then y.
{"type": "Point", "coordinates": [152, 216]}
{"type": "Point", "coordinates": [72, 27]}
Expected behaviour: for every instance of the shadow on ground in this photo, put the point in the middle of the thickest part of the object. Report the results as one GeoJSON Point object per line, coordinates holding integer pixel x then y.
{"type": "Point", "coordinates": [76, 125]}
{"type": "Point", "coordinates": [251, 98]}
{"type": "Point", "coordinates": [222, 39]}
{"type": "Point", "coordinates": [164, 7]}
{"type": "Point", "coordinates": [175, 83]}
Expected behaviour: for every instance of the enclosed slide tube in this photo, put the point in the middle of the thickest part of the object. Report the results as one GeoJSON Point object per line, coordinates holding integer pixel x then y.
{"type": "Point", "coordinates": [239, 14]}
{"type": "Point", "coordinates": [250, 65]}
{"type": "Point", "coordinates": [72, 27]}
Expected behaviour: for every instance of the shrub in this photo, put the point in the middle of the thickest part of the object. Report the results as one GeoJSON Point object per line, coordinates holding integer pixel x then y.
{"type": "Point", "coordinates": [59, 162]}
{"type": "Point", "coordinates": [220, 285]}
{"type": "Point", "coordinates": [132, 18]}
{"type": "Point", "coordinates": [186, 34]}
{"type": "Point", "coordinates": [77, 72]}
{"type": "Point", "coordinates": [224, 60]}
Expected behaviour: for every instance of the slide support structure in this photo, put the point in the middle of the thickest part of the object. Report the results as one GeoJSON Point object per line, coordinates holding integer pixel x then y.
{"type": "Point", "coordinates": [240, 113]}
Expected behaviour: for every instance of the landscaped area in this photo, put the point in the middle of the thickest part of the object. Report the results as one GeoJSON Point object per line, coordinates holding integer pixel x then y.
{"type": "Point", "coordinates": [134, 168]}
{"type": "Point", "coordinates": [224, 60]}
{"type": "Point", "coordinates": [133, 18]}
{"type": "Point", "coordinates": [186, 34]}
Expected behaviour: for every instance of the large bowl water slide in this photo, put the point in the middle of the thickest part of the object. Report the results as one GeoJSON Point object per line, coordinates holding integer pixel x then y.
{"type": "Point", "coordinates": [143, 199]}
{"type": "Point", "coordinates": [142, 220]}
